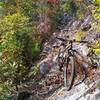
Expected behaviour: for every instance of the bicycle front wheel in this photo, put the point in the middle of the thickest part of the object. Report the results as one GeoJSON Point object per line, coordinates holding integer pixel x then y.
{"type": "Point", "coordinates": [69, 73]}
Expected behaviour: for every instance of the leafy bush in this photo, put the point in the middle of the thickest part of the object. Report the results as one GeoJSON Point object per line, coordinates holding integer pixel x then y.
{"type": "Point", "coordinates": [96, 13]}
{"type": "Point", "coordinates": [97, 1]}
{"type": "Point", "coordinates": [5, 92]}
{"type": "Point", "coordinates": [76, 8]}
{"type": "Point", "coordinates": [96, 47]}
{"type": "Point", "coordinates": [70, 7]}
{"type": "Point", "coordinates": [18, 49]}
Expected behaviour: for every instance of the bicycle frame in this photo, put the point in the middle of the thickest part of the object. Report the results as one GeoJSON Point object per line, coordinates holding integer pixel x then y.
{"type": "Point", "coordinates": [69, 60]}
{"type": "Point", "coordinates": [70, 50]}
{"type": "Point", "coordinates": [75, 54]}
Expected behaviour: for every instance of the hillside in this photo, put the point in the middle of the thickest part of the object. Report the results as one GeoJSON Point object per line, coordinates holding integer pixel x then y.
{"type": "Point", "coordinates": [33, 58]}
{"type": "Point", "coordinates": [89, 89]}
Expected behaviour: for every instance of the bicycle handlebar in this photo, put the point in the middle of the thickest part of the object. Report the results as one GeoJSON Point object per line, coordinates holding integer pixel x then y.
{"type": "Point", "coordinates": [61, 39]}
{"type": "Point", "coordinates": [71, 40]}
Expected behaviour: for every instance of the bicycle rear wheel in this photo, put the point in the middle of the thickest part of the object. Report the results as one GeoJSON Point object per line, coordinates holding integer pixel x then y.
{"type": "Point", "coordinates": [69, 73]}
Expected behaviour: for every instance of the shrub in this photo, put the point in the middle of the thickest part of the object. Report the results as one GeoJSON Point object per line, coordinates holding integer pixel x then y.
{"type": "Point", "coordinates": [97, 1]}
{"type": "Point", "coordinates": [70, 7]}
{"type": "Point", "coordinates": [17, 49]}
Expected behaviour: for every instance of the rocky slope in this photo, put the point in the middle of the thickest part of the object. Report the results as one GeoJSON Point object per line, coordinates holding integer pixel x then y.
{"type": "Point", "coordinates": [88, 90]}
{"type": "Point", "coordinates": [50, 85]}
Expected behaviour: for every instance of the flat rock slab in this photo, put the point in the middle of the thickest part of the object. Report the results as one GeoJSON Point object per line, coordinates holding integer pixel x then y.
{"type": "Point", "coordinates": [80, 92]}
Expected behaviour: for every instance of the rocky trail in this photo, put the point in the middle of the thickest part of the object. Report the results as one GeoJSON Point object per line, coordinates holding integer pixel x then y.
{"type": "Point", "coordinates": [90, 88]}
{"type": "Point", "coordinates": [51, 86]}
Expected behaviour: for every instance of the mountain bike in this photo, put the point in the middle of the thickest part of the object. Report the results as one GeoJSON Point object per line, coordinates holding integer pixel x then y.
{"type": "Point", "coordinates": [71, 62]}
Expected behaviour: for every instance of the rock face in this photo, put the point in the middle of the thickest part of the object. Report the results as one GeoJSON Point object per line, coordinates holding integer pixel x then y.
{"type": "Point", "coordinates": [80, 92]}
{"type": "Point", "coordinates": [84, 91]}
{"type": "Point", "coordinates": [45, 66]}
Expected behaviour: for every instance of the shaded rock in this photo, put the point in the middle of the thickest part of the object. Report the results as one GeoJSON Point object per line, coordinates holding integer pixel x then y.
{"type": "Point", "coordinates": [86, 28]}
{"type": "Point", "coordinates": [46, 65]}
{"type": "Point", "coordinates": [25, 95]}
{"type": "Point", "coordinates": [87, 20]}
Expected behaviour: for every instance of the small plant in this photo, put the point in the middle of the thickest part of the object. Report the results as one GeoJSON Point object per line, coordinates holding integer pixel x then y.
{"type": "Point", "coordinates": [97, 1]}
{"type": "Point", "coordinates": [80, 36]}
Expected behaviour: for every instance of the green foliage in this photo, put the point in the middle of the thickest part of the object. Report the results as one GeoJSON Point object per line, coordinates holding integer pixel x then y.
{"type": "Point", "coordinates": [81, 10]}
{"type": "Point", "coordinates": [5, 92]}
{"type": "Point", "coordinates": [17, 48]}
{"type": "Point", "coordinates": [36, 48]}
{"type": "Point", "coordinates": [10, 46]}
{"type": "Point", "coordinates": [27, 8]}
{"type": "Point", "coordinates": [74, 8]}
{"type": "Point", "coordinates": [96, 13]}
{"type": "Point", "coordinates": [97, 1]}
{"type": "Point", "coordinates": [96, 10]}
{"type": "Point", "coordinates": [12, 27]}
{"type": "Point", "coordinates": [2, 10]}
{"type": "Point", "coordinates": [34, 71]}
{"type": "Point", "coordinates": [1, 3]}
{"type": "Point", "coordinates": [70, 7]}
{"type": "Point", "coordinates": [96, 47]}
{"type": "Point", "coordinates": [97, 51]}
{"type": "Point", "coordinates": [80, 36]}
{"type": "Point", "coordinates": [19, 43]}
